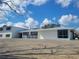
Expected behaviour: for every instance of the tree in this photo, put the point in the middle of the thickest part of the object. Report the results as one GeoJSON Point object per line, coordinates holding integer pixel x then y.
{"type": "Point", "coordinates": [16, 6]}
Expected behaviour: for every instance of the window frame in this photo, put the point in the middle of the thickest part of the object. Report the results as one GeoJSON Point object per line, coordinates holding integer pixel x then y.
{"type": "Point", "coordinates": [1, 29]}
{"type": "Point", "coordinates": [8, 28]}
{"type": "Point", "coordinates": [62, 33]}
{"type": "Point", "coordinates": [34, 34]}
{"type": "Point", "coordinates": [26, 34]}
{"type": "Point", "coordinates": [8, 35]}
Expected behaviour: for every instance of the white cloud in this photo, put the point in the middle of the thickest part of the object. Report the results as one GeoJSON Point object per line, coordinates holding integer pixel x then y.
{"type": "Point", "coordinates": [66, 19]}
{"type": "Point", "coordinates": [45, 22]}
{"type": "Point", "coordinates": [2, 24]}
{"type": "Point", "coordinates": [19, 24]}
{"type": "Point", "coordinates": [77, 3]}
{"type": "Point", "coordinates": [39, 2]}
{"type": "Point", "coordinates": [9, 24]}
{"type": "Point", "coordinates": [25, 3]}
{"type": "Point", "coordinates": [6, 23]}
{"type": "Point", "coordinates": [2, 15]}
{"type": "Point", "coordinates": [31, 23]}
{"type": "Point", "coordinates": [19, 5]}
{"type": "Point", "coordinates": [77, 29]}
{"type": "Point", "coordinates": [64, 3]}
{"type": "Point", "coordinates": [4, 7]}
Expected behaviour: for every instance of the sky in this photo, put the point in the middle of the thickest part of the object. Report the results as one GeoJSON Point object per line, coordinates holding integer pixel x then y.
{"type": "Point", "coordinates": [37, 13]}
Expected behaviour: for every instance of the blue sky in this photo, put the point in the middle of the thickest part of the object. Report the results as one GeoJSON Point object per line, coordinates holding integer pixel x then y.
{"type": "Point", "coordinates": [64, 12]}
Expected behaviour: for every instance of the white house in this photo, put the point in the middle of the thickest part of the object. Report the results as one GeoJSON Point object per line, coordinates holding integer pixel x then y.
{"type": "Point", "coordinates": [57, 33]}
{"type": "Point", "coordinates": [9, 32]}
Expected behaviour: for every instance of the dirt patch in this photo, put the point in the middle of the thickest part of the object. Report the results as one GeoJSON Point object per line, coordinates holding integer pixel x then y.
{"type": "Point", "coordinates": [38, 49]}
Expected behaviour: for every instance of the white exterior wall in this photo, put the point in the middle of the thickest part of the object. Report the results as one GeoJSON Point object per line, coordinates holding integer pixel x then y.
{"type": "Point", "coordinates": [13, 32]}
{"type": "Point", "coordinates": [4, 35]}
{"type": "Point", "coordinates": [70, 35]}
{"type": "Point", "coordinates": [51, 34]}
{"type": "Point", "coordinates": [48, 34]}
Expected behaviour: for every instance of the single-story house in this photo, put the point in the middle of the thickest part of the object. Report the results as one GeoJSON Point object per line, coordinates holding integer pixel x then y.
{"type": "Point", "coordinates": [9, 31]}
{"type": "Point", "coordinates": [57, 33]}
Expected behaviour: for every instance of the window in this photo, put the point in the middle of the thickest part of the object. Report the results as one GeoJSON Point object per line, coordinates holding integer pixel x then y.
{"type": "Point", "coordinates": [8, 28]}
{"type": "Point", "coordinates": [26, 34]}
{"type": "Point", "coordinates": [0, 35]}
{"type": "Point", "coordinates": [7, 35]}
{"type": "Point", "coordinates": [34, 34]}
{"type": "Point", "coordinates": [1, 29]}
{"type": "Point", "coordinates": [30, 34]}
{"type": "Point", "coordinates": [62, 33]}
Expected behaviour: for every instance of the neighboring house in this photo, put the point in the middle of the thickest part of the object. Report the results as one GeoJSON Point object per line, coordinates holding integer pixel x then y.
{"type": "Point", "coordinates": [58, 33]}
{"type": "Point", "coordinates": [10, 31]}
